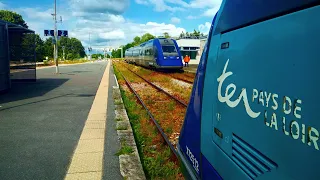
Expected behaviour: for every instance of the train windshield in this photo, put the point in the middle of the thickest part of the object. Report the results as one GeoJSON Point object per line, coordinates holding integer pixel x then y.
{"type": "Point", "coordinates": [169, 50]}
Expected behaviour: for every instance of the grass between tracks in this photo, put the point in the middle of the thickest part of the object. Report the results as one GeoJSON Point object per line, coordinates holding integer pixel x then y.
{"type": "Point", "coordinates": [154, 154]}
{"type": "Point", "coordinates": [165, 81]}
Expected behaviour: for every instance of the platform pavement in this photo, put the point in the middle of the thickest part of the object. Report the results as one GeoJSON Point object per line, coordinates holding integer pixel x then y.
{"type": "Point", "coordinates": [192, 68]}
{"type": "Point", "coordinates": [41, 124]}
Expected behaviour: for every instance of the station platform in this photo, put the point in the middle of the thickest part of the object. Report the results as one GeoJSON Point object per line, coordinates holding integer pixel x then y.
{"type": "Point", "coordinates": [192, 68]}
{"type": "Point", "coordinates": [61, 126]}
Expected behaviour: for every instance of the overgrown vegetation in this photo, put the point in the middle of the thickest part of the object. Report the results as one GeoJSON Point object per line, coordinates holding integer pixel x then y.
{"type": "Point", "coordinates": [125, 149]}
{"type": "Point", "coordinates": [154, 154]}
{"type": "Point", "coordinates": [122, 128]}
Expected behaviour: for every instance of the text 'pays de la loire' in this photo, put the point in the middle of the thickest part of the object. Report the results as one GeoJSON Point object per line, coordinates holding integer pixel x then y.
{"type": "Point", "coordinates": [290, 107]}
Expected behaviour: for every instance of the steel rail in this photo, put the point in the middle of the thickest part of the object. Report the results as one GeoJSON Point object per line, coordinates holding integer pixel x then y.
{"type": "Point", "coordinates": [159, 88]}
{"type": "Point", "coordinates": [164, 136]}
{"type": "Point", "coordinates": [178, 78]}
{"type": "Point", "coordinates": [184, 80]}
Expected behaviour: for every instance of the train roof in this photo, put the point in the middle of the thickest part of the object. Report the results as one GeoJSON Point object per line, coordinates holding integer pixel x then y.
{"type": "Point", "coordinates": [234, 14]}
{"type": "Point", "coordinates": [147, 42]}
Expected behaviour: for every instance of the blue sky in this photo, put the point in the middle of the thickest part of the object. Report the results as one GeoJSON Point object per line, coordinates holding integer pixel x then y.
{"type": "Point", "coordinates": [112, 23]}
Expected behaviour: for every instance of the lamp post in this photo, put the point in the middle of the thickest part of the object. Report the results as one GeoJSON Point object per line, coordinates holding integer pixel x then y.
{"type": "Point", "coordinates": [55, 48]}
{"type": "Point", "coordinates": [63, 47]}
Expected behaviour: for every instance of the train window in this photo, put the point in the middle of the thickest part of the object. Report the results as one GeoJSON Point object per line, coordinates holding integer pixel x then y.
{"type": "Point", "coordinates": [169, 49]}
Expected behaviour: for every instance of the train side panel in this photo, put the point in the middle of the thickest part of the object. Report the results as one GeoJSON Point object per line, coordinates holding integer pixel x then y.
{"type": "Point", "coordinates": [259, 117]}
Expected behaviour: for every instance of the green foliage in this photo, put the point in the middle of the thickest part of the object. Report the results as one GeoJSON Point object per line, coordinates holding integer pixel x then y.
{"type": "Point", "coordinates": [195, 33]}
{"type": "Point", "coordinates": [169, 130]}
{"type": "Point", "coordinates": [136, 41]}
{"type": "Point", "coordinates": [166, 35]}
{"type": "Point", "coordinates": [159, 166]}
{"type": "Point", "coordinates": [96, 56]}
{"type": "Point", "coordinates": [122, 128]}
{"type": "Point", "coordinates": [124, 150]}
{"type": "Point", "coordinates": [73, 47]}
{"type": "Point", "coordinates": [171, 105]}
{"type": "Point", "coordinates": [45, 62]}
{"type": "Point", "coordinates": [70, 56]}
{"type": "Point", "coordinates": [12, 17]}
{"type": "Point", "coordinates": [156, 164]}
{"type": "Point", "coordinates": [146, 37]}
{"type": "Point", "coordinates": [48, 47]}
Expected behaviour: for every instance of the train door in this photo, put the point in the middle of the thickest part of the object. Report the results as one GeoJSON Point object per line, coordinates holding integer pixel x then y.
{"type": "Point", "coordinates": [258, 116]}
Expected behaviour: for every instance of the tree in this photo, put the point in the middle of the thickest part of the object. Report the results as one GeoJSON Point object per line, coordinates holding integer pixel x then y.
{"type": "Point", "coordinates": [12, 17]}
{"type": "Point", "coordinates": [187, 34]}
{"type": "Point", "coordinates": [39, 48]}
{"type": "Point", "coordinates": [182, 35]}
{"type": "Point", "coordinates": [146, 37]}
{"type": "Point", "coordinates": [136, 40]}
{"type": "Point", "coordinates": [48, 47]}
{"type": "Point", "coordinates": [196, 33]}
{"type": "Point", "coordinates": [166, 35]}
{"type": "Point", "coordinates": [32, 43]}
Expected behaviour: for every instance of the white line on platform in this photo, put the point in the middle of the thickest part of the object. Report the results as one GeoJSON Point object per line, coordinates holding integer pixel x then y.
{"type": "Point", "coordinates": [115, 78]}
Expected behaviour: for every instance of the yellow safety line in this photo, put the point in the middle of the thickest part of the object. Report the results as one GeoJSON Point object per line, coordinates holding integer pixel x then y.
{"type": "Point", "coordinates": [87, 160]}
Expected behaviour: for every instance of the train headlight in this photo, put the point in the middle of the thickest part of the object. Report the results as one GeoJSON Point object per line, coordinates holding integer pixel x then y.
{"type": "Point", "coordinates": [165, 57]}
{"type": "Point", "coordinates": [178, 57]}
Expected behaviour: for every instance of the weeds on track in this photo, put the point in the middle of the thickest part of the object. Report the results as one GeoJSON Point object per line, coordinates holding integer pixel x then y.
{"type": "Point", "coordinates": [154, 154]}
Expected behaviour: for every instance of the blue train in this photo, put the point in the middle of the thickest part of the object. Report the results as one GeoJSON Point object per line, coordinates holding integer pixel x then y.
{"type": "Point", "coordinates": [160, 53]}
{"type": "Point", "coordinates": [253, 109]}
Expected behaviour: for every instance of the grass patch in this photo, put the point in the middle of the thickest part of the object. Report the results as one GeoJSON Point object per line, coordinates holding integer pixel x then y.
{"type": "Point", "coordinates": [122, 128]}
{"type": "Point", "coordinates": [171, 105]}
{"type": "Point", "coordinates": [119, 119]}
{"type": "Point", "coordinates": [117, 102]}
{"type": "Point", "coordinates": [125, 150]}
{"type": "Point", "coordinates": [169, 130]}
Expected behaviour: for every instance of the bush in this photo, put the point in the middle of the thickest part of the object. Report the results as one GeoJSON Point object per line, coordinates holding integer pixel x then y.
{"type": "Point", "coordinates": [45, 62]}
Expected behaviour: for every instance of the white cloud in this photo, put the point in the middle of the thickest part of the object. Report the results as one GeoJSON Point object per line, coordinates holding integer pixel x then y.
{"type": "Point", "coordinates": [161, 6]}
{"type": "Point", "coordinates": [159, 28]}
{"type": "Point", "coordinates": [191, 17]}
{"type": "Point", "coordinates": [144, 2]}
{"type": "Point", "coordinates": [205, 3]}
{"type": "Point", "coordinates": [116, 34]}
{"type": "Point", "coordinates": [204, 28]}
{"type": "Point", "coordinates": [211, 12]}
{"type": "Point", "coordinates": [210, 7]}
{"type": "Point", "coordinates": [100, 6]}
{"type": "Point", "coordinates": [111, 33]}
{"type": "Point", "coordinates": [175, 20]}
{"type": "Point", "coordinates": [36, 13]}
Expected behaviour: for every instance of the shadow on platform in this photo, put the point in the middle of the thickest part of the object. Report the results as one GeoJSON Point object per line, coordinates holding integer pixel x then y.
{"type": "Point", "coordinates": [26, 90]}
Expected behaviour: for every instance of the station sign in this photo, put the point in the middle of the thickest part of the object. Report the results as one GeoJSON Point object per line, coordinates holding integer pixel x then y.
{"type": "Point", "coordinates": [60, 33]}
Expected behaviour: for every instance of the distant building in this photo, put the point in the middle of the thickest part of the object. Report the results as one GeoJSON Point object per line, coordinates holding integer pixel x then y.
{"type": "Point", "coordinates": [192, 47]}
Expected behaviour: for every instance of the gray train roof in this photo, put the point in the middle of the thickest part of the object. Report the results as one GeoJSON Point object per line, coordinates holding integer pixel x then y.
{"type": "Point", "coordinates": [234, 14]}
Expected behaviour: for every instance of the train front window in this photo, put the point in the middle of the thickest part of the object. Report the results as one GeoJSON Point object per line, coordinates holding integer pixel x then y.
{"type": "Point", "coordinates": [169, 51]}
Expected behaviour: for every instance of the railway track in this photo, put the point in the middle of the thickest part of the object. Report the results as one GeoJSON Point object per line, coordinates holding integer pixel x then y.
{"type": "Point", "coordinates": [158, 88]}
{"type": "Point", "coordinates": [153, 119]}
{"type": "Point", "coordinates": [179, 78]}
{"type": "Point", "coordinates": [175, 77]}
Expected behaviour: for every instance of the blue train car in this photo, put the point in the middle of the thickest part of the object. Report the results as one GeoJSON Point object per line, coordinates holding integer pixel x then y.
{"type": "Point", "coordinates": [160, 53]}
{"type": "Point", "coordinates": [252, 112]}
